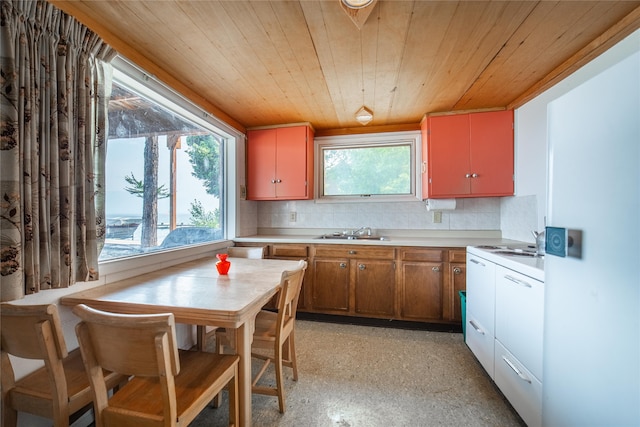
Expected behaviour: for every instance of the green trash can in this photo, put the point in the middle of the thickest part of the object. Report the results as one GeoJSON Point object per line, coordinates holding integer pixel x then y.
{"type": "Point", "coordinates": [463, 308]}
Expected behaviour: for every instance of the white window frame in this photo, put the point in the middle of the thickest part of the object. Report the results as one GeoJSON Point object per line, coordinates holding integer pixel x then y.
{"type": "Point", "coordinates": [119, 268]}
{"type": "Point", "coordinates": [413, 138]}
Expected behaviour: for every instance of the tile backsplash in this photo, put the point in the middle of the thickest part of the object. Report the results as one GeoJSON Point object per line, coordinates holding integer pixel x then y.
{"type": "Point", "coordinates": [470, 214]}
{"type": "Point", "coordinates": [514, 217]}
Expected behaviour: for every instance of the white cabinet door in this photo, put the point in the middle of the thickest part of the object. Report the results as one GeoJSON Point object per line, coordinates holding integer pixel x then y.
{"type": "Point", "coordinates": [481, 290]}
{"type": "Point", "coordinates": [480, 310]}
{"type": "Point", "coordinates": [520, 317]}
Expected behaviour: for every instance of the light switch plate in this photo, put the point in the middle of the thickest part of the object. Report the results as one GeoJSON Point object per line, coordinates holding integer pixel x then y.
{"type": "Point", "coordinates": [574, 243]}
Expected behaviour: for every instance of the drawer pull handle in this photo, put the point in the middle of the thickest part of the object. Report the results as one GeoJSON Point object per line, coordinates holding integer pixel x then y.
{"type": "Point", "coordinates": [343, 265]}
{"type": "Point", "coordinates": [457, 270]}
{"type": "Point", "coordinates": [476, 327]}
{"type": "Point", "coordinates": [435, 269]}
{"type": "Point", "coordinates": [475, 261]}
{"type": "Point", "coordinates": [516, 370]}
{"type": "Point", "coordinates": [517, 281]}
{"type": "Point", "coordinates": [362, 266]}
{"type": "Point", "coordinates": [352, 252]}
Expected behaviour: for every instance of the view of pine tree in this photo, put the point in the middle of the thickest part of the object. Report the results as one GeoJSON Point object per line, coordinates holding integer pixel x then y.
{"type": "Point", "coordinates": [136, 187]}
{"type": "Point", "coordinates": [204, 156]}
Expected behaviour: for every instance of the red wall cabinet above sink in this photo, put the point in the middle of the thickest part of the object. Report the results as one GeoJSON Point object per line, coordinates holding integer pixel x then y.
{"type": "Point", "coordinates": [280, 163]}
{"type": "Point", "coordinates": [468, 155]}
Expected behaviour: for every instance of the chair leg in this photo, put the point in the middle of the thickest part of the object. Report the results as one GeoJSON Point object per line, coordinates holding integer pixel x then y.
{"type": "Point", "coordinates": [218, 399]}
{"type": "Point", "coordinates": [292, 356]}
{"type": "Point", "coordinates": [279, 379]}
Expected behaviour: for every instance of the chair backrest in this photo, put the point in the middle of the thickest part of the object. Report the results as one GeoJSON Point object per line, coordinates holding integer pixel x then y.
{"type": "Point", "coordinates": [254, 252]}
{"type": "Point", "coordinates": [23, 327]}
{"type": "Point", "coordinates": [290, 285]}
{"type": "Point", "coordinates": [140, 345]}
{"type": "Point", "coordinates": [34, 332]}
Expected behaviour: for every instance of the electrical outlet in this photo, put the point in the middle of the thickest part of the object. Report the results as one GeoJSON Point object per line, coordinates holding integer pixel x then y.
{"type": "Point", "coordinates": [293, 216]}
{"type": "Point", "coordinates": [437, 217]}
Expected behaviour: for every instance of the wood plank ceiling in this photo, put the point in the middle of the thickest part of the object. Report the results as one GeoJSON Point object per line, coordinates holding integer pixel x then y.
{"type": "Point", "coordinates": [257, 63]}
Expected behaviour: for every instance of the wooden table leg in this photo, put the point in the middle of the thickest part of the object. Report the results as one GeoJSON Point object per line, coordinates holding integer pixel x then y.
{"type": "Point", "coordinates": [244, 338]}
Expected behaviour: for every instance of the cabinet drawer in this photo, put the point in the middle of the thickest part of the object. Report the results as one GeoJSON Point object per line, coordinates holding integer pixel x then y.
{"type": "Point", "coordinates": [370, 252]}
{"type": "Point", "coordinates": [422, 254]}
{"type": "Point", "coordinates": [289, 251]}
{"type": "Point", "coordinates": [457, 255]}
{"type": "Point", "coordinates": [520, 316]}
{"type": "Point", "coordinates": [480, 341]}
{"type": "Point", "coordinates": [520, 387]}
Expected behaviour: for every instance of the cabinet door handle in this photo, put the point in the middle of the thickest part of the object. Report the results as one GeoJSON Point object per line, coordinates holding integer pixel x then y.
{"type": "Point", "coordinates": [517, 281]}
{"type": "Point", "coordinates": [468, 175]}
{"type": "Point", "coordinates": [273, 181]}
{"type": "Point", "coordinates": [476, 327]}
{"type": "Point", "coordinates": [475, 261]}
{"type": "Point", "coordinates": [352, 252]}
{"type": "Point", "coordinates": [435, 269]}
{"type": "Point", "coordinates": [362, 266]}
{"type": "Point", "coordinates": [474, 175]}
{"type": "Point", "coordinates": [457, 270]}
{"type": "Point", "coordinates": [516, 370]}
{"type": "Point", "coordinates": [343, 265]}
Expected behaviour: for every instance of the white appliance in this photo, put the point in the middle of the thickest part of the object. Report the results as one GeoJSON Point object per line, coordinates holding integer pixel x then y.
{"type": "Point", "coordinates": [591, 360]}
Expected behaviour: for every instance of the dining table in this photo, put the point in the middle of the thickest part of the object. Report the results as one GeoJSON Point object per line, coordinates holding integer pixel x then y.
{"type": "Point", "coordinates": [197, 294]}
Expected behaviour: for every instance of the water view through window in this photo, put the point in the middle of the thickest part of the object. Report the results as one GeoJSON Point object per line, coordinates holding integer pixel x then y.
{"type": "Point", "coordinates": [163, 177]}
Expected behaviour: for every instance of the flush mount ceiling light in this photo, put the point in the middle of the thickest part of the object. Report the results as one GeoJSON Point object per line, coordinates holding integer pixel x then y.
{"type": "Point", "coordinates": [364, 115]}
{"type": "Point", "coordinates": [357, 4]}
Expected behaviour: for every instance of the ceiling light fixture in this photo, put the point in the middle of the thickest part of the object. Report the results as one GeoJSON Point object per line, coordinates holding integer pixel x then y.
{"type": "Point", "coordinates": [364, 115]}
{"type": "Point", "coordinates": [357, 4]}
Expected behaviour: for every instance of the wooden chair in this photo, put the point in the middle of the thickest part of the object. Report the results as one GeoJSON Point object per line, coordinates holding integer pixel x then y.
{"type": "Point", "coordinates": [58, 389]}
{"type": "Point", "coordinates": [168, 387]}
{"type": "Point", "coordinates": [274, 331]}
{"type": "Point", "coordinates": [254, 252]}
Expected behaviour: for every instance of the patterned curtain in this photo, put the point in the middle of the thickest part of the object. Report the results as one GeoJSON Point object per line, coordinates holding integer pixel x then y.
{"type": "Point", "coordinates": [55, 83]}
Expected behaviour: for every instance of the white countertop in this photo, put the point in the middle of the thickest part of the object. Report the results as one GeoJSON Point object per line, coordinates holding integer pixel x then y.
{"type": "Point", "coordinates": [426, 241]}
{"type": "Point", "coordinates": [529, 266]}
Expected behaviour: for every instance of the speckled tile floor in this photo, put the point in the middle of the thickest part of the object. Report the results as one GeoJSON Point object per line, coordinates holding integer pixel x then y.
{"type": "Point", "coordinates": [363, 376]}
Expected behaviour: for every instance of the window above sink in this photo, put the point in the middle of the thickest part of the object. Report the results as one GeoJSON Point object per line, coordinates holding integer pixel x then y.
{"type": "Point", "coordinates": [368, 168]}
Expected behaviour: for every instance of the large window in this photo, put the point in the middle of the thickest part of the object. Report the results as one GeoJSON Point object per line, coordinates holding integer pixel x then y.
{"type": "Point", "coordinates": [378, 167]}
{"type": "Point", "coordinates": [164, 173]}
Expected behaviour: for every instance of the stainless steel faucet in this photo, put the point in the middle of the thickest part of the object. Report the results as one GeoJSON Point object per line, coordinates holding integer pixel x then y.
{"type": "Point", "coordinates": [362, 230]}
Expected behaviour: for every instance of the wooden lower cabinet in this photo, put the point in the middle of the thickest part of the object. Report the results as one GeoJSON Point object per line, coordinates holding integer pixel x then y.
{"type": "Point", "coordinates": [374, 288]}
{"type": "Point", "coordinates": [331, 293]}
{"type": "Point", "coordinates": [421, 282]}
{"type": "Point", "coordinates": [404, 283]}
{"type": "Point", "coordinates": [456, 281]}
{"type": "Point", "coordinates": [354, 280]}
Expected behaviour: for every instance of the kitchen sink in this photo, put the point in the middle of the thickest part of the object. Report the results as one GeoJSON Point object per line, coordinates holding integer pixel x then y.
{"type": "Point", "coordinates": [351, 237]}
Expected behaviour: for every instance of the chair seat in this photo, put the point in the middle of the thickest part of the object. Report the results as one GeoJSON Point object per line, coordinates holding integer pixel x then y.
{"type": "Point", "coordinates": [37, 385]}
{"type": "Point", "coordinates": [199, 371]}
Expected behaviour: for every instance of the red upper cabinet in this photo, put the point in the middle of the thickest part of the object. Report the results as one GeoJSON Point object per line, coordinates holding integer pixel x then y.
{"type": "Point", "coordinates": [468, 155]}
{"type": "Point", "coordinates": [280, 163]}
